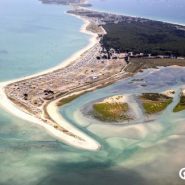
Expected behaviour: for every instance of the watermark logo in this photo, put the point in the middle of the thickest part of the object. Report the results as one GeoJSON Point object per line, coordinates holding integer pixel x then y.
{"type": "Point", "coordinates": [182, 173]}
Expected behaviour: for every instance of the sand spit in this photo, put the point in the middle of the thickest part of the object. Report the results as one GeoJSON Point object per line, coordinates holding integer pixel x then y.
{"type": "Point", "coordinates": [84, 142]}
{"type": "Point", "coordinates": [91, 68]}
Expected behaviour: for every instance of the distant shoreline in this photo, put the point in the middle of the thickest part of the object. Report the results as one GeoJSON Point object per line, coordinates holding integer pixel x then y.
{"type": "Point", "coordinates": [131, 15]}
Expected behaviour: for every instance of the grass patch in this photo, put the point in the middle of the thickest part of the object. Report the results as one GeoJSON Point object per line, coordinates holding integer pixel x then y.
{"type": "Point", "coordinates": [69, 99]}
{"type": "Point", "coordinates": [111, 111]}
{"type": "Point", "coordinates": [181, 105]}
{"type": "Point", "coordinates": [154, 102]}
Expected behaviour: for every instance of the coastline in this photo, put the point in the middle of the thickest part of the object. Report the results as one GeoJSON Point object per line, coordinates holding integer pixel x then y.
{"type": "Point", "coordinates": [92, 41]}
{"type": "Point", "coordinates": [143, 17]}
{"type": "Point", "coordinates": [53, 111]}
{"type": "Point", "coordinates": [88, 143]}
{"type": "Point", "coordinates": [50, 117]}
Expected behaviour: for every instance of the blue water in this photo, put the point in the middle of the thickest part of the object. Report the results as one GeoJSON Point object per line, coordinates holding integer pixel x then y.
{"type": "Point", "coordinates": [34, 37]}
{"type": "Point", "coordinates": [165, 10]}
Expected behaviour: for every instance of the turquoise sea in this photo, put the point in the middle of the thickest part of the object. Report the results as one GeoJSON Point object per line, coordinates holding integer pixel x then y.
{"type": "Point", "coordinates": [34, 37]}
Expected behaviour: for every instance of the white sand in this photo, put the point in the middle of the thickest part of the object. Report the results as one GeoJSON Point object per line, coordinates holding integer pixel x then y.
{"type": "Point", "coordinates": [183, 91]}
{"type": "Point", "coordinates": [88, 143]}
{"type": "Point", "coordinates": [115, 99]}
{"type": "Point", "coordinates": [170, 93]}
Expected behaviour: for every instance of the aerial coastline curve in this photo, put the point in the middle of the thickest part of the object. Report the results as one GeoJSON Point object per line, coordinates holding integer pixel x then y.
{"type": "Point", "coordinates": [86, 142]}
{"type": "Point", "coordinates": [39, 103]}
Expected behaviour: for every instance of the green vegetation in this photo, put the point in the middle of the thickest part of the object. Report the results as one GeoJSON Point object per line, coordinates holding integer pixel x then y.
{"type": "Point", "coordinates": [181, 105]}
{"type": "Point", "coordinates": [111, 111]}
{"type": "Point", "coordinates": [137, 64]}
{"type": "Point", "coordinates": [154, 102]}
{"type": "Point", "coordinates": [69, 99]}
{"type": "Point", "coordinates": [154, 37]}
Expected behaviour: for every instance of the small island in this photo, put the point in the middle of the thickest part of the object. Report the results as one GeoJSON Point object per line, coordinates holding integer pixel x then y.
{"type": "Point", "coordinates": [112, 109]}
{"type": "Point", "coordinates": [154, 102]}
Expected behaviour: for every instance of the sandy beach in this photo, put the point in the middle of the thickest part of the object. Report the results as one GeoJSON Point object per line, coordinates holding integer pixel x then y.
{"type": "Point", "coordinates": [38, 103]}
{"type": "Point", "coordinates": [92, 41]}
{"type": "Point", "coordinates": [86, 142]}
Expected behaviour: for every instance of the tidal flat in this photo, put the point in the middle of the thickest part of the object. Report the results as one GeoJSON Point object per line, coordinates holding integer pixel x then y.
{"type": "Point", "coordinates": [146, 144]}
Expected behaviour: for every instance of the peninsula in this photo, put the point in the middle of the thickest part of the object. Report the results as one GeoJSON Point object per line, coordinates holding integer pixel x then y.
{"type": "Point", "coordinates": [81, 3]}
{"type": "Point", "coordinates": [105, 61]}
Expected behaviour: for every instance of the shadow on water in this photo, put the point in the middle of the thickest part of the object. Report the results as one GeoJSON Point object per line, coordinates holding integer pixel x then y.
{"type": "Point", "coordinates": [91, 173]}
{"type": "Point", "coordinates": [94, 173]}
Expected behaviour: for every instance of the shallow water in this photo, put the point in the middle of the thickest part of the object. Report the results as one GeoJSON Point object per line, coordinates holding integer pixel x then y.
{"type": "Point", "coordinates": [143, 148]}
{"type": "Point", "coordinates": [32, 39]}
